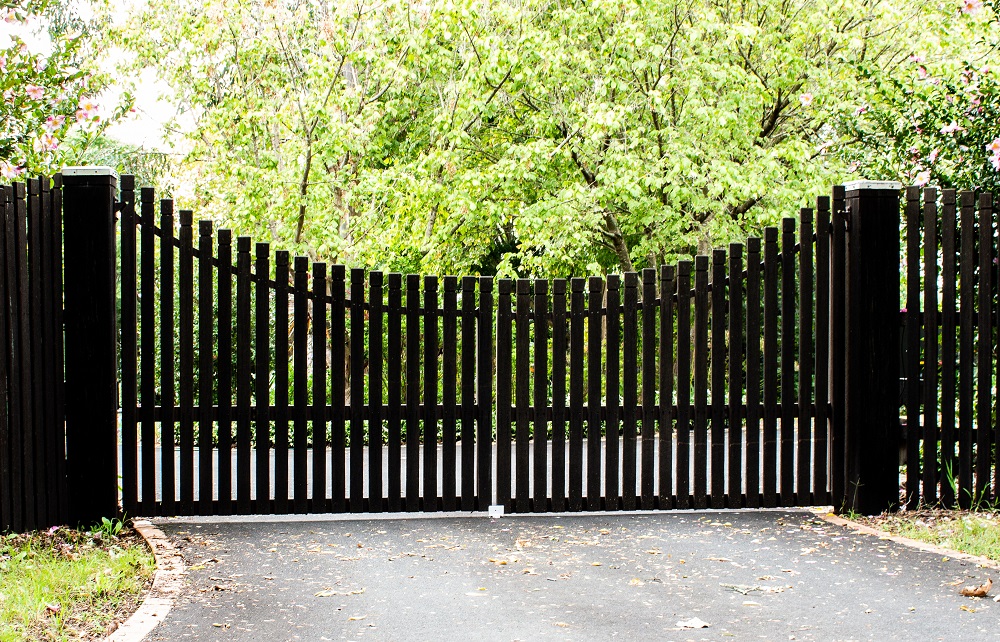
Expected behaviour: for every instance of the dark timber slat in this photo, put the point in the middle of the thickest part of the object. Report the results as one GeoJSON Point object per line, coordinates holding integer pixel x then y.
{"type": "Point", "coordinates": [701, 381]}
{"type": "Point", "coordinates": [281, 382]}
{"type": "Point", "coordinates": [718, 355]}
{"type": "Point", "coordinates": [540, 388]}
{"type": "Point", "coordinates": [504, 381]}
{"type": "Point", "coordinates": [244, 389]}
{"type": "Point", "coordinates": [300, 378]}
{"type": "Point", "coordinates": [167, 440]}
{"type": "Point", "coordinates": [357, 361]}
{"type": "Point", "coordinates": [394, 345]}
{"type": "Point", "coordinates": [320, 502]}
{"type": "Point", "coordinates": [206, 374]}
{"type": "Point", "coordinates": [559, 358]}
{"type": "Point", "coordinates": [225, 396]}
{"type": "Point", "coordinates": [129, 345]}
{"type": "Point", "coordinates": [484, 393]}
{"type": "Point", "coordinates": [647, 449]}
{"type": "Point", "coordinates": [25, 454]}
{"type": "Point", "coordinates": [786, 492]}
{"type": "Point", "coordinates": [522, 396]}
{"type": "Point", "coordinates": [147, 352]}
{"type": "Point", "coordinates": [684, 384]}
{"type": "Point", "coordinates": [577, 322]}
{"type": "Point", "coordinates": [185, 337]}
{"type": "Point", "coordinates": [967, 267]}
{"type": "Point", "coordinates": [8, 486]}
{"type": "Point", "coordinates": [468, 490]}
{"type": "Point", "coordinates": [630, 385]}
{"type": "Point", "coordinates": [912, 347]}
{"type": "Point", "coordinates": [666, 415]}
{"type": "Point", "coordinates": [613, 320]}
{"type": "Point", "coordinates": [375, 365]}
{"type": "Point", "coordinates": [770, 444]}
{"type": "Point", "coordinates": [57, 323]}
{"type": "Point", "coordinates": [753, 373]}
{"type": "Point", "coordinates": [837, 345]}
{"type": "Point", "coordinates": [948, 357]}
{"type": "Point", "coordinates": [431, 382]}
{"type": "Point", "coordinates": [803, 487]}
{"type": "Point", "coordinates": [820, 476]}
{"type": "Point", "coordinates": [449, 393]}
{"type": "Point", "coordinates": [35, 460]}
{"type": "Point", "coordinates": [735, 377]}
{"type": "Point", "coordinates": [338, 390]}
{"type": "Point", "coordinates": [984, 367]}
{"type": "Point", "coordinates": [930, 310]}
{"type": "Point", "coordinates": [595, 301]}
{"type": "Point", "coordinates": [262, 376]}
{"type": "Point", "coordinates": [17, 381]}
{"type": "Point", "coordinates": [50, 299]}
{"type": "Point", "coordinates": [412, 392]}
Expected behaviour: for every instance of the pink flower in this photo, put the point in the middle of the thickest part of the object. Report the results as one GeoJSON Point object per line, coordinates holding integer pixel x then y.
{"type": "Point", "coordinates": [46, 143]}
{"type": "Point", "coordinates": [921, 72]}
{"type": "Point", "coordinates": [917, 59]}
{"type": "Point", "coordinates": [995, 161]}
{"type": "Point", "coordinates": [952, 128]}
{"type": "Point", "coordinates": [994, 147]}
{"type": "Point", "coordinates": [87, 110]}
{"type": "Point", "coordinates": [971, 7]}
{"type": "Point", "coordinates": [53, 123]}
{"type": "Point", "coordinates": [9, 171]}
{"type": "Point", "coordinates": [34, 92]}
{"type": "Point", "coordinates": [3, 63]}
{"type": "Point", "coordinates": [933, 156]}
{"type": "Point", "coordinates": [806, 99]}
{"type": "Point", "coordinates": [922, 178]}
{"type": "Point", "coordinates": [861, 110]}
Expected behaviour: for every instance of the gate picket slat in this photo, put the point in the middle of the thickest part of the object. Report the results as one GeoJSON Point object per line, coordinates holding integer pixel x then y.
{"type": "Point", "coordinates": [185, 337]}
{"type": "Point", "coordinates": [167, 401]}
{"type": "Point", "coordinates": [753, 376]}
{"type": "Point", "coordinates": [484, 395]}
{"type": "Point", "coordinates": [541, 395]}
{"type": "Point", "coordinates": [666, 396]}
{"type": "Point", "coordinates": [35, 460]}
{"type": "Point", "coordinates": [718, 355]}
{"type": "Point", "coordinates": [147, 352]}
{"type": "Point", "coordinates": [357, 361]}
{"type": "Point", "coordinates": [18, 413]}
{"type": "Point", "coordinates": [338, 389]}
{"type": "Point", "coordinates": [57, 323]}
{"type": "Point", "coordinates": [244, 390]}
{"type": "Point", "coordinates": [504, 380]}
{"type": "Point", "coordinates": [52, 297]}
{"type": "Point", "coordinates": [948, 356]}
{"type": "Point", "coordinates": [595, 296]}
{"type": "Point", "coordinates": [930, 327]}
{"type": "Point", "coordinates": [820, 477]}
{"type": "Point", "coordinates": [786, 491]}
{"type": "Point", "coordinates": [647, 449]}
{"type": "Point", "coordinates": [912, 347]}
{"type": "Point", "coordinates": [281, 382]}
{"type": "Point", "coordinates": [612, 490]}
{"type": "Point", "coordinates": [522, 397]}
{"type": "Point", "coordinates": [559, 347]}
{"type": "Point", "coordinates": [735, 377]}
{"type": "Point", "coordinates": [984, 367]}
{"type": "Point", "coordinates": [449, 396]}
{"type": "Point", "coordinates": [838, 230]}
{"type": "Point", "coordinates": [375, 367]}
{"type": "Point", "coordinates": [630, 366]}
{"type": "Point", "coordinates": [770, 445]}
{"type": "Point", "coordinates": [9, 487]}
{"type": "Point", "coordinates": [468, 393]}
{"type": "Point", "coordinates": [577, 321]}
{"type": "Point", "coordinates": [967, 270]}
{"type": "Point", "coordinates": [701, 381]}
{"type": "Point", "coordinates": [300, 382]}
{"type": "Point", "coordinates": [225, 324]}
{"type": "Point", "coordinates": [412, 393]}
{"type": "Point", "coordinates": [262, 376]}
{"type": "Point", "coordinates": [206, 376]}
{"type": "Point", "coordinates": [630, 384]}
{"type": "Point", "coordinates": [319, 503]}
{"type": "Point", "coordinates": [684, 384]}
{"type": "Point", "coordinates": [129, 345]}
{"type": "Point", "coordinates": [430, 494]}
{"type": "Point", "coordinates": [394, 345]}
{"type": "Point", "coordinates": [803, 490]}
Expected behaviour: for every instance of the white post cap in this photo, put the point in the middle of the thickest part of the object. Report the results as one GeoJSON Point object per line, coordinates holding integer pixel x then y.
{"type": "Point", "coordinates": [854, 186]}
{"type": "Point", "coordinates": [89, 170]}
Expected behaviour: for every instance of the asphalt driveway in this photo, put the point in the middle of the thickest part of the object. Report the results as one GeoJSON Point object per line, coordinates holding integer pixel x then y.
{"type": "Point", "coordinates": [771, 575]}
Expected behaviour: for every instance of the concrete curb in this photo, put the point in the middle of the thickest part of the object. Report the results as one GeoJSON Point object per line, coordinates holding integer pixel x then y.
{"type": "Point", "coordinates": [167, 583]}
{"type": "Point", "coordinates": [912, 543]}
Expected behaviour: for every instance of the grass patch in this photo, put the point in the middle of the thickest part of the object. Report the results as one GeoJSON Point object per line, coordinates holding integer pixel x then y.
{"type": "Point", "coordinates": [64, 584]}
{"type": "Point", "coordinates": [973, 532]}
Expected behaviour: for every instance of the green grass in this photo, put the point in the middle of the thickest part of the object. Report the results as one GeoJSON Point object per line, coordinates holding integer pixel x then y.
{"type": "Point", "coordinates": [65, 584]}
{"type": "Point", "coordinates": [976, 533]}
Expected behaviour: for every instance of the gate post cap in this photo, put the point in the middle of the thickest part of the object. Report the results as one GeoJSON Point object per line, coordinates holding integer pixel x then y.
{"type": "Point", "coordinates": [89, 170]}
{"type": "Point", "coordinates": [855, 186]}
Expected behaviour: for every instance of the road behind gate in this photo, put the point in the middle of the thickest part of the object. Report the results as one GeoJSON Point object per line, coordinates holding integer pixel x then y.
{"type": "Point", "coordinates": [749, 575]}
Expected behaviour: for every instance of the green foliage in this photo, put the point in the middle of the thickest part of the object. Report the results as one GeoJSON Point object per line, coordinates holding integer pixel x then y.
{"type": "Point", "coordinates": [109, 528]}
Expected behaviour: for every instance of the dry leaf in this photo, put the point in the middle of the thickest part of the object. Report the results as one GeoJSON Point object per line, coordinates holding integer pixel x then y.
{"type": "Point", "coordinates": [693, 623]}
{"type": "Point", "coordinates": [355, 618]}
{"type": "Point", "coordinates": [562, 624]}
{"type": "Point", "coordinates": [967, 608]}
{"type": "Point", "coordinates": [595, 563]}
{"type": "Point", "coordinates": [978, 591]}
{"type": "Point", "coordinates": [331, 593]}
{"type": "Point", "coordinates": [635, 581]}
{"type": "Point", "coordinates": [499, 562]}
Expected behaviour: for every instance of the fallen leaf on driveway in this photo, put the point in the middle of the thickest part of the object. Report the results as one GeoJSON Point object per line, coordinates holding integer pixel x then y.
{"type": "Point", "coordinates": [693, 623]}
{"type": "Point", "coordinates": [967, 608]}
{"type": "Point", "coordinates": [635, 581]}
{"type": "Point", "coordinates": [331, 593]}
{"type": "Point", "coordinates": [977, 591]}
{"type": "Point", "coordinates": [562, 624]}
{"type": "Point", "coordinates": [355, 618]}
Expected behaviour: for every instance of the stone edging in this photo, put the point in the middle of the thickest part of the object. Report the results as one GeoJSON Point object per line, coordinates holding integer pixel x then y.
{"type": "Point", "coordinates": [906, 541]}
{"type": "Point", "coordinates": [167, 582]}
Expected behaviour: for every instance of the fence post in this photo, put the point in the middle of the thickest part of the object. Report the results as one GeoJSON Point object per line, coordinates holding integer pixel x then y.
{"type": "Point", "coordinates": [90, 344]}
{"type": "Point", "coordinates": [872, 347]}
